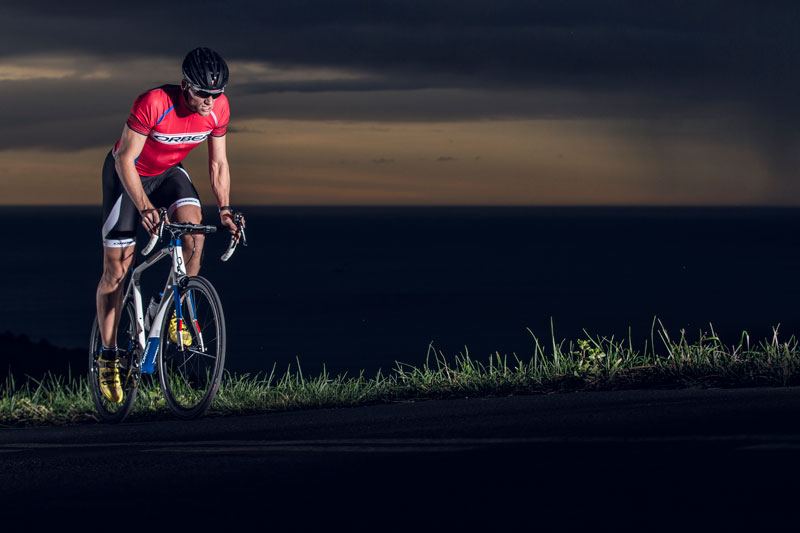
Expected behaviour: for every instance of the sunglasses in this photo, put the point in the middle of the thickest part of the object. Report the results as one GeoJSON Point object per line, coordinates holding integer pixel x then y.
{"type": "Point", "coordinates": [205, 94]}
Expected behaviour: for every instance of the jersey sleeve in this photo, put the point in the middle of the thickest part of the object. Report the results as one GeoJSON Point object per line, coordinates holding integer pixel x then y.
{"type": "Point", "coordinates": [147, 111]}
{"type": "Point", "coordinates": [222, 115]}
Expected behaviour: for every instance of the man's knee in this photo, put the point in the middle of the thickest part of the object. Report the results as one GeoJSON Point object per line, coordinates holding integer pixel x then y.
{"type": "Point", "coordinates": [193, 241]}
{"type": "Point", "coordinates": [115, 266]}
{"type": "Point", "coordinates": [193, 249]}
{"type": "Point", "coordinates": [113, 274]}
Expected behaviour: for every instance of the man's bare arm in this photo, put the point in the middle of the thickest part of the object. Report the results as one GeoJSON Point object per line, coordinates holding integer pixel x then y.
{"type": "Point", "coordinates": [218, 170]}
{"type": "Point", "coordinates": [220, 174]}
{"type": "Point", "coordinates": [130, 147]}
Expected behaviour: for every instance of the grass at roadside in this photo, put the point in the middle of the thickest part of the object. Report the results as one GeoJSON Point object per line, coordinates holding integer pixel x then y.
{"type": "Point", "coordinates": [590, 363]}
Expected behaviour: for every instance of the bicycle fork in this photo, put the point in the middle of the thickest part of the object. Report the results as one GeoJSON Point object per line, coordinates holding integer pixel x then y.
{"type": "Point", "coordinates": [192, 317]}
{"type": "Point", "coordinates": [180, 276]}
{"type": "Point", "coordinates": [194, 322]}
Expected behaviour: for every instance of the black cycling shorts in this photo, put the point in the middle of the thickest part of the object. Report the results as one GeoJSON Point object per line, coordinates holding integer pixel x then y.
{"type": "Point", "coordinates": [171, 189]}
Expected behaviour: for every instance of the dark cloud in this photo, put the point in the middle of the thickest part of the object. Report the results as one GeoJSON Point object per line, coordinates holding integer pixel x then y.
{"type": "Point", "coordinates": [446, 158]}
{"type": "Point", "coordinates": [743, 47]}
{"type": "Point", "coordinates": [369, 84]}
{"type": "Point", "coordinates": [427, 60]}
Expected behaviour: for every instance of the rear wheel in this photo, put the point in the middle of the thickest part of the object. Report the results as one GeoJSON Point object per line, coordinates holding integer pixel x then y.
{"type": "Point", "coordinates": [190, 367]}
{"type": "Point", "coordinates": [126, 341]}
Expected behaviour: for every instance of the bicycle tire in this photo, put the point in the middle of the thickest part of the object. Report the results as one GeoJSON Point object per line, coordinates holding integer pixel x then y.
{"type": "Point", "coordinates": [190, 377]}
{"type": "Point", "coordinates": [126, 341]}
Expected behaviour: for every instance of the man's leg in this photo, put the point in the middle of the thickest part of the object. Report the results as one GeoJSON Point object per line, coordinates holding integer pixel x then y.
{"type": "Point", "coordinates": [120, 220]}
{"type": "Point", "coordinates": [116, 262]}
{"type": "Point", "coordinates": [192, 244]}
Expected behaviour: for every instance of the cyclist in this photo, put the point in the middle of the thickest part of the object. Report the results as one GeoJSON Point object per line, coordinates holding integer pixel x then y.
{"type": "Point", "coordinates": [143, 172]}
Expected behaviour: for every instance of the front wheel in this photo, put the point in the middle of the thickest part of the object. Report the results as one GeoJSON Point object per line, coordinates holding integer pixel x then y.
{"type": "Point", "coordinates": [126, 341]}
{"type": "Point", "coordinates": [192, 354]}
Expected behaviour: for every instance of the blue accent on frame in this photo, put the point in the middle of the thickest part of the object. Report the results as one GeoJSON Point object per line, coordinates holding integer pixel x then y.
{"type": "Point", "coordinates": [164, 115]}
{"type": "Point", "coordinates": [148, 366]}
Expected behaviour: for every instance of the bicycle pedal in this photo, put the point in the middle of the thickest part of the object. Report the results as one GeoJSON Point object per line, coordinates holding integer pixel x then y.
{"type": "Point", "coordinates": [132, 379]}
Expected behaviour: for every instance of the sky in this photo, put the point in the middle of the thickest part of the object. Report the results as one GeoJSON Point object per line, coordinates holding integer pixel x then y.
{"type": "Point", "coordinates": [551, 102]}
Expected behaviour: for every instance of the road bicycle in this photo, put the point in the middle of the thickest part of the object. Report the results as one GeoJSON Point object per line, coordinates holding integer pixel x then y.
{"type": "Point", "coordinates": [189, 371]}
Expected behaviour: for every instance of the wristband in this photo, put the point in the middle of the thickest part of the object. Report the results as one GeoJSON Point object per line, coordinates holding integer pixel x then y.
{"type": "Point", "coordinates": [225, 208]}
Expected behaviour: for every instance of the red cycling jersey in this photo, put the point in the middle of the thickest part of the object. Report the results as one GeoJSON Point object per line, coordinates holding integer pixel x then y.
{"type": "Point", "coordinates": [172, 130]}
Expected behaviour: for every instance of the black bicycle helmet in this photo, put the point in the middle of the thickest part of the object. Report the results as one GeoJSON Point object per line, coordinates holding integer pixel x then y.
{"type": "Point", "coordinates": [205, 70]}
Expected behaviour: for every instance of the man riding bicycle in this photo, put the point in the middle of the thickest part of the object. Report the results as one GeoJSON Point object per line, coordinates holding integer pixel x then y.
{"type": "Point", "coordinates": [143, 172]}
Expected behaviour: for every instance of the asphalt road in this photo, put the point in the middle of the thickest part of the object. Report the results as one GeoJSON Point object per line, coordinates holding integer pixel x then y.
{"type": "Point", "coordinates": [639, 460]}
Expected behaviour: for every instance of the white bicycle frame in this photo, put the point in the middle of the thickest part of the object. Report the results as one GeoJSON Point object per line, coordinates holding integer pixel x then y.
{"type": "Point", "coordinates": [149, 340]}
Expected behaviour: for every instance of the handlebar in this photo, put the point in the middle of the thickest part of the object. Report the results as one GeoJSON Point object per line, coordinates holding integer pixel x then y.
{"type": "Point", "coordinates": [178, 229]}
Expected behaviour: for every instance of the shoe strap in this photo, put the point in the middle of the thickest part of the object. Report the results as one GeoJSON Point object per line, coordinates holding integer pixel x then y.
{"type": "Point", "coordinates": [112, 364]}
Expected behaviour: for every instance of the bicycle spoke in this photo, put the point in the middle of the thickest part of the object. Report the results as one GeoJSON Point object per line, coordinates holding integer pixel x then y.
{"type": "Point", "coordinates": [199, 353]}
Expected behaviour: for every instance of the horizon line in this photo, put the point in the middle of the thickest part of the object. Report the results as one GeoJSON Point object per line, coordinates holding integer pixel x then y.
{"type": "Point", "coordinates": [448, 206]}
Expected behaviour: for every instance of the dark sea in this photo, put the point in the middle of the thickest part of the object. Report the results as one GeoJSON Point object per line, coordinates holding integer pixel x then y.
{"type": "Point", "coordinates": [361, 288]}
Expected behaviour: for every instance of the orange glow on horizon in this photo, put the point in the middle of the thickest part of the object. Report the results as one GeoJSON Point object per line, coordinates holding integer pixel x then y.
{"type": "Point", "coordinates": [531, 162]}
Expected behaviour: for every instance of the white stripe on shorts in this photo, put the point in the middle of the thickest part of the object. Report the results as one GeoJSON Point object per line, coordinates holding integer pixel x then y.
{"type": "Point", "coordinates": [113, 217]}
{"type": "Point", "coordinates": [118, 243]}
{"type": "Point", "coordinates": [181, 203]}
{"type": "Point", "coordinates": [187, 174]}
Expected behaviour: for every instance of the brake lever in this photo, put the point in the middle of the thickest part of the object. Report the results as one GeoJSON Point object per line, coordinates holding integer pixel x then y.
{"type": "Point", "coordinates": [237, 219]}
{"type": "Point", "coordinates": [239, 224]}
{"type": "Point", "coordinates": [162, 215]}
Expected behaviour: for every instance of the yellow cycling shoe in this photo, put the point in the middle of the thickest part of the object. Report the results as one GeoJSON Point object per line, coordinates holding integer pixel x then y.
{"type": "Point", "coordinates": [110, 385]}
{"type": "Point", "coordinates": [186, 337]}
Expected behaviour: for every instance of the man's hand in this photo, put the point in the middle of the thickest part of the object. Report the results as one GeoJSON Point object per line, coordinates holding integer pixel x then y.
{"type": "Point", "coordinates": [151, 220]}
{"type": "Point", "coordinates": [226, 217]}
